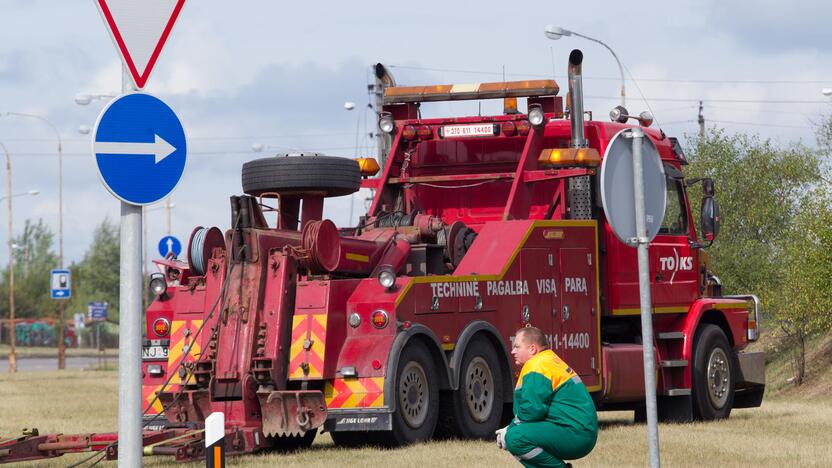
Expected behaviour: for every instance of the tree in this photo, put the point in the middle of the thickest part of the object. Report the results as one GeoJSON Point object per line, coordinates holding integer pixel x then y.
{"type": "Point", "coordinates": [33, 260]}
{"type": "Point", "coordinates": [775, 213]}
{"type": "Point", "coordinates": [96, 277]}
{"type": "Point", "coordinates": [802, 309]}
{"type": "Point", "coordinates": [758, 185]}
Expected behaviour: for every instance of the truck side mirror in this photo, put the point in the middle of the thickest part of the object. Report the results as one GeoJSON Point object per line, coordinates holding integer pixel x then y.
{"type": "Point", "coordinates": [710, 218]}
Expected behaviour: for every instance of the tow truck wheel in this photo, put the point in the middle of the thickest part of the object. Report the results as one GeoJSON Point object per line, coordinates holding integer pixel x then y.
{"type": "Point", "coordinates": [332, 176]}
{"type": "Point", "coordinates": [417, 397]}
{"type": "Point", "coordinates": [476, 407]}
{"type": "Point", "coordinates": [713, 374]}
{"type": "Point", "coordinates": [293, 443]}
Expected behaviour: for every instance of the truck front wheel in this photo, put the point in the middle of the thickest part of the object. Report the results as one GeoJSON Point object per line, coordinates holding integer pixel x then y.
{"type": "Point", "coordinates": [417, 397]}
{"type": "Point", "coordinates": [713, 374]}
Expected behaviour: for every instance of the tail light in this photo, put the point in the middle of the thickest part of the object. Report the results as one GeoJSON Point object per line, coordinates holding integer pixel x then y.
{"type": "Point", "coordinates": [509, 129]}
{"type": "Point", "coordinates": [409, 132]}
{"type": "Point", "coordinates": [523, 127]}
{"type": "Point", "coordinates": [379, 319]}
{"type": "Point", "coordinates": [425, 132]}
{"type": "Point", "coordinates": [161, 327]}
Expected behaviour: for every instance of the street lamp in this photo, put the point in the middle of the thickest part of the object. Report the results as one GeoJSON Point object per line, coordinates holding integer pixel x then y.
{"type": "Point", "coordinates": [12, 329]}
{"type": "Point", "coordinates": [61, 304]}
{"type": "Point", "coordinates": [83, 99]}
{"type": "Point", "coordinates": [826, 92]}
{"type": "Point", "coordinates": [556, 32]}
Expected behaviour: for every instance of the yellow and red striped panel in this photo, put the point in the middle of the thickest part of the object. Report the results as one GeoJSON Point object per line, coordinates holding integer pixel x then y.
{"type": "Point", "coordinates": [148, 394]}
{"type": "Point", "coordinates": [313, 328]}
{"type": "Point", "coordinates": [178, 341]}
{"type": "Point", "coordinates": [354, 392]}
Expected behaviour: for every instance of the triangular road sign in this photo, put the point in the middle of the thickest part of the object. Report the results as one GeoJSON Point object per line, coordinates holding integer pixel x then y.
{"type": "Point", "coordinates": [139, 29]}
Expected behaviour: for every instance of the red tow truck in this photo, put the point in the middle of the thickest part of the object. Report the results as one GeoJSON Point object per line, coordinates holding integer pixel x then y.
{"type": "Point", "coordinates": [398, 329]}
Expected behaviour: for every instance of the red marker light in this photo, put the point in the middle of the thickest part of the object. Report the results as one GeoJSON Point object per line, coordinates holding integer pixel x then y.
{"type": "Point", "coordinates": [509, 129]}
{"type": "Point", "coordinates": [379, 319]}
{"type": "Point", "coordinates": [161, 327]}
{"type": "Point", "coordinates": [376, 364]}
{"type": "Point", "coordinates": [409, 132]}
{"type": "Point", "coordinates": [425, 132]}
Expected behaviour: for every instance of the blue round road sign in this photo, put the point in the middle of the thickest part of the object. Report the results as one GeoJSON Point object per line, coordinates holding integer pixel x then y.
{"type": "Point", "coordinates": [169, 244]}
{"type": "Point", "coordinates": [140, 148]}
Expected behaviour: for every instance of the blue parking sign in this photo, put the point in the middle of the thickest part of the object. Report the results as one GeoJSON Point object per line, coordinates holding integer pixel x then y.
{"type": "Point", "coordinates": [61, 284]}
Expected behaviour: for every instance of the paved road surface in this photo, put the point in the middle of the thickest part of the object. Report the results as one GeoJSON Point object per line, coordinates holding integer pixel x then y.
{"type": "Point", "coordinates": [46, 364]}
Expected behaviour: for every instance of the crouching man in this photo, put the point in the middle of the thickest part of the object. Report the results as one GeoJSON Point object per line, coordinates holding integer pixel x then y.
{"type": "Point", "coordinates": [555, 418]}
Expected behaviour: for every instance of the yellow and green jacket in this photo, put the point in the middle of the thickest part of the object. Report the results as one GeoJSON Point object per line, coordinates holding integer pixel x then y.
{"type": "Point", "coordinates": [549, 390]}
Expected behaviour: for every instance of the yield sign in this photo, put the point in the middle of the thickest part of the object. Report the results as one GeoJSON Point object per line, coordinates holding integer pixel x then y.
{"type": "Point", "coordinates": [139, 30]}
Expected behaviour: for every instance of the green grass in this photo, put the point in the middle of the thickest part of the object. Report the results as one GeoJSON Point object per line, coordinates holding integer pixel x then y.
{"type": "Point", "coordinates": [784, 432]}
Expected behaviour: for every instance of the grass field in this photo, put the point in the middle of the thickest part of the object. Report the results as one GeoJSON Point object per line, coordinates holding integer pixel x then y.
{"type": "Point", "coordinates": [784, 432]}
{"type": "Point", "coordinates": [23, 352]}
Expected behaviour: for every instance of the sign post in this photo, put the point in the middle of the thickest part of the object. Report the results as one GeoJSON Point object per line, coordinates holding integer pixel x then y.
{"type": "Point", "coordinates": [628, 173]}
{"type": "Point", "coordinates": [139, 147]}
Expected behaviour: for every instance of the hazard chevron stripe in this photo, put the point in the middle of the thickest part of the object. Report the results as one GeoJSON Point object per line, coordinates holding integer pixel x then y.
{"type": "Point", "coordinates": [355, 392]}
{"type": "Point", "coordinates": [313, 328]}
{"type": "Point", "coordinates": [178, 342]}
{"type": "Point", "coordinates": [148, 394]}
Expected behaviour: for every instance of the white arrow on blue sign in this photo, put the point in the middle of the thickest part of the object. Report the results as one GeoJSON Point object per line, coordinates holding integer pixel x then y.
{"type": "Point", "coordinates": [169, 245]}
{"type": "Point", "coordinates": [140, 148]}
{"type": "Point", "coordinates": [61, 284]}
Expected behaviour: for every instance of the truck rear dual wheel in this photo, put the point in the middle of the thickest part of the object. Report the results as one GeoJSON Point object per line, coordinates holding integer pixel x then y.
{"type": "Point", "coordinates": [474, 410]}
{"type": "Point", "coordinates": [714, 374]}
{"type": "Point", "coordinates": [416, 393]}
{"type": "Point", "coordinates": [417, 397]}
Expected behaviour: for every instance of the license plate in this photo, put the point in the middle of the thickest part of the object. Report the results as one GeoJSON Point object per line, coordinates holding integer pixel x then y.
{"type": "Point", "coordinates": [154, 352]}
{"type": "Point", "coordinates": [464, 131]}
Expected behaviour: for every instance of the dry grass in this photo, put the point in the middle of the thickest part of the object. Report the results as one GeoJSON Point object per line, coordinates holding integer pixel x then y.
{"type": "Point", "coordinates": [23, 352]}
{"type": "Point", "coordinates": [781, 433]}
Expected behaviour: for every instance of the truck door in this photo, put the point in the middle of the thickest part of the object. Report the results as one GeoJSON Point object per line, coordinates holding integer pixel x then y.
{"type": "Point", "coordinates": [578, 340]}
{"type": "Point", "coordinates": [673, 264]}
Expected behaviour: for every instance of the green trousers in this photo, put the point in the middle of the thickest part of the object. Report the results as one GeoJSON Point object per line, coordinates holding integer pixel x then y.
{"type": "Point", "coordinates": [546, 444]}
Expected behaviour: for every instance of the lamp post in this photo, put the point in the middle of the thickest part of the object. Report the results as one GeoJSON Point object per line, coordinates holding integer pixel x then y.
{"type": "Point", "coordinates": [556, 32]}
{"type": "Point", "coordinates": [12, 329]}
{"type": "Point", "coordinates": [61, 304]}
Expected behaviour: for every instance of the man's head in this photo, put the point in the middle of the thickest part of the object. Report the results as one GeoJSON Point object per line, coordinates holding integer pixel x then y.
{"type": "Point", "coordinates": [528, 342]}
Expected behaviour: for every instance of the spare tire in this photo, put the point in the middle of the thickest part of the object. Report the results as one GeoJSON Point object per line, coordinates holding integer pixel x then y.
{"type": "Point", "coordinates": [330, 175]}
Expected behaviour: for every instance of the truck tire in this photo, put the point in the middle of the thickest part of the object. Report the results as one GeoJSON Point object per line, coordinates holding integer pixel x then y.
{"type": "Point", "coordinates": [714, 374]}
{"type": "Point", "coordinates": [287, 444]}
{"type": "Point", "coordinates": [330, 175]}
{"type": "Point", "coordinates": [474, 410]}
{"type": "Point", "coordinates": [417, 397]}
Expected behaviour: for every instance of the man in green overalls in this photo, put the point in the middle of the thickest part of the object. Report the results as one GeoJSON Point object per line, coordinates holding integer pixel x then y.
{"type": "Point", "coordinates": [555, 417]}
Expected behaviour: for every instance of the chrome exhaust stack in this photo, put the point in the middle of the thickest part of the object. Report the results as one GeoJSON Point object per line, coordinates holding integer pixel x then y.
{"type": "Point", "coordinates": [576, 99]}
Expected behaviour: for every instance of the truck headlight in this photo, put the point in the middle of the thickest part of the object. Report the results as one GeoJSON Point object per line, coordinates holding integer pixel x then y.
{"type": "Point", "coordinates": [386, 277]}
{"type": "Point", "coordinates": [386, 123]}
{"type": "Point", "coordinates": [536, 117]}
{"type": "Point", "coordinates": [158, 285]}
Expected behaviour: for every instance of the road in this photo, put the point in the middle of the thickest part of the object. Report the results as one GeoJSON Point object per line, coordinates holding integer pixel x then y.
{"type": "Point", "coordinates": [48, 364]}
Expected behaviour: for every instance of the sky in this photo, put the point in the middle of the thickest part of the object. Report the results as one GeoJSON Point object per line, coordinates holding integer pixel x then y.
{"type": "Point", "coordinates": [279, 73]}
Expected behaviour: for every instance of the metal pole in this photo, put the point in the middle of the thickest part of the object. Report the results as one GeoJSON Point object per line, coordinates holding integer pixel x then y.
{"type": "Point", "coordinates": [129, 333]}
{"type": "Point", "coordinates": [144, 258]}
{"type": "Point", "coordinates": [12, 328]}
{"type": "Point", "coordinates": [646, 301]}
{"type": "Point", "coordinates": [168, 206]}
{"type": "Point", "coordinates": [61, 302]}
{"type": "Point", "coordinates": [620, 67]}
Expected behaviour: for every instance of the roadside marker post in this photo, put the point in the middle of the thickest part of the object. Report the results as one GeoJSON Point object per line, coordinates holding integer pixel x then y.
{"type": "Point", "coordinates": [215, 440]}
